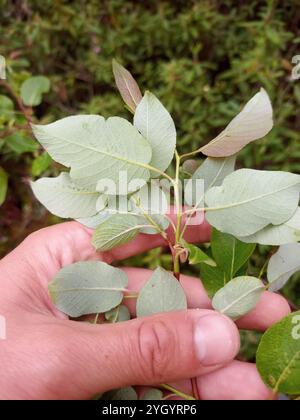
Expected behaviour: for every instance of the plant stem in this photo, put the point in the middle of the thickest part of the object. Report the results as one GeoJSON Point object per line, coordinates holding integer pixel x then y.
{"type": "Point", "coordinates": [175, 249]}
{"type": "Point", "coordinates": [262, 271]}
{"type": "Point", "coordinates": [179, 216]}
{"type": "Point", "coordinates": [132, 296]}
{"type": "Point", "coordinates": [177, 392]}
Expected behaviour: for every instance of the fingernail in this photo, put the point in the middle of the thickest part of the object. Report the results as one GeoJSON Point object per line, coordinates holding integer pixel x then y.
{"type": "Point", "coordinates": [216, 340]}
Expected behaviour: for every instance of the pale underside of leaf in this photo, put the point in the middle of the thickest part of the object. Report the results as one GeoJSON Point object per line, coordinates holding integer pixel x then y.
{"type": "Point", "coordinates": [286, 233]}
{"type": "Point", "coordinates": [87, 288]}
{"type": "Point", "coordinates": [282, 265]}
{"type": "Point", "coordinates": [249, 200]}
{"type": "Point", "coordinates": [252, 123]}
{"type": "Point", "coordinates": [117, 230]}
{"type": "Point", "coordinates": [97, 149]}
{"type": "Point", "coordinates": [156, 124]}
{"type": "Point", "coordinates": [161, 293]}
{"type": "Point", "coordinates": [62, 197]}
{"type": "Point", "coordinates": [94, 221]}
{"type": "Point", "coordinates": [238, 297]}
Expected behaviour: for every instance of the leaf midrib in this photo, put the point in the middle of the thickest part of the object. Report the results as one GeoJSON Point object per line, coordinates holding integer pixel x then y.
{"type": "Point", "coordinates": [249, 200]}
{"type": "Point", "coordinates": [283, 376]}
{"type": "Point", "coordinates": [87, 289]}
{"type": "Point", "coordinates": [80, 192]}
{"type": "Point", "coordinates": [117, 157]}
{"type": "Point", "coordinates": [136, 227]}
{"type": "Point", "coordinates": [240, 298]}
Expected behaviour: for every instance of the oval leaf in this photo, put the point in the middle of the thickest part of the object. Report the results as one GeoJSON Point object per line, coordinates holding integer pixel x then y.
{"type": "Point", "coordinates": [97, 149]}
{"type": "Point", "coordinates": [161, 293]}
{"type": "Point", "coordinates": [286, 233]}
{"type": "Point", "coordinates": [87, 288]}
{"type": "Point", "coordinates": [117, 230]}
{"type": "Point", "coordinates": [156, 124]}
{"type": "Point", "coordinates": [21, 143]}
{"type": "Point", "coordinates": [40, 164]}
{"type": "Point", "coordinates": [282, 265]}
{"type": "Point", "coordinates": [127, 86]}
{"type": "Point", "coordinates": [238, 297]}
{"type": "Point", "coordinates": [278, 356]}
{"type": "Point", "coordinates": [64, 198]}
{"type": "Point", "coordinates": [249, 200]}
{"type": "Point", "coordinates": [33, 88]}
{"type": "Point", "coordinates": [252, 123]}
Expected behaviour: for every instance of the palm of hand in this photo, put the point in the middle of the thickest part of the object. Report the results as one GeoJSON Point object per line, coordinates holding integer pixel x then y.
{"type": "Point", "coordinates": [47, 356]}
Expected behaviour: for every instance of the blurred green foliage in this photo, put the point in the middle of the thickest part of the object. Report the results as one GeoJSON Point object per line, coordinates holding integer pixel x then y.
{"type": "Point", "coordinates": [203, 58]}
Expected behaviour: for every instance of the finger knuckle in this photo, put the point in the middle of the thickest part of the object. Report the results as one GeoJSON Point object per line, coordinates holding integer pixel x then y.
{"type": "Point", "coordinates": [156, 344]}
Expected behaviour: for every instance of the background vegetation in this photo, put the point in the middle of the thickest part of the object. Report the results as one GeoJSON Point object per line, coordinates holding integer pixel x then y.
{"type": "Point", "coordinates": [202, 58]}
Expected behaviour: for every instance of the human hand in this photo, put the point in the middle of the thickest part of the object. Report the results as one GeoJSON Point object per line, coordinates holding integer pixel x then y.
{"type": "Point", "coordinates": [46, 356]}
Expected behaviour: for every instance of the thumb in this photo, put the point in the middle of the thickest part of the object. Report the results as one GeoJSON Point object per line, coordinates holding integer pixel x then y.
{"type": "Point", "coordinates": [151, 350]}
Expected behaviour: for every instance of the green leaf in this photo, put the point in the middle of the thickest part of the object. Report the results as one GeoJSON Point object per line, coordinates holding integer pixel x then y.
{"type": "Point", "coordinates": [252, 123]}
{"type": "Point", "coordinates": [249, 200]}
{"type": "Point", "coordinates": [213, 279]}
{"type": "Point", "coordinates": [127, 86]}
{"type": "Point", "coordinates": [161, 293]}
{"type": "Point", "coordinates": [117, 230]}
{"type": "Point", "coordinates": [119, 314]}
{"type": "Point", "coordinates": [21, 143]}
{"type": "Point", "coordinates": [97, 149]}
{"type": "Point", "coordinates": [122, 394]}
{"type": "Point", "coordinates": [212, 172]}
{"type": "Point", "coordinates": [286, 233]}
{"type": "Point", "coordinates": [238, 297]}
{"type": "Point", "coordinates": [33, 88]}
{"type": "Point", "coordinates": [6, 106]}
{"type": "Point", "coordinates": [282, 265]}
{"type": "Point", "coordinates": [3, 185]}
{"type": "Point", "coordinates": [62, 197]}
{"type": "Point", "coordinates": [197, 256]}
{"type": "Point", "coordinates": [40, 164]}
{"type": "Point", "coordinates": [229, 253]}
{"type": "Point", "coordinates": [155, 123]}
{"type": "Point", "coordinates": [87, 288]}
{"type": "Point", "coordinates": [153, 394]}
{"type": "Point", "coordinates": [278, 356]}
